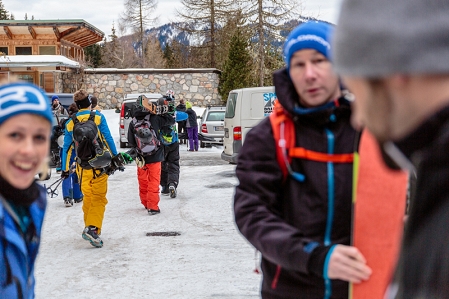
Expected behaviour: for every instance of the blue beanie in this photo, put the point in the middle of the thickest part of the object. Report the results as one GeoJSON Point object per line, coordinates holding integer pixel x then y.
{"type": "Point", "coordinates": [19, 97]}
{"type": "Point", "coordinates": [311, 35]}
{"type": "Point", "coordinates": [53, 98]}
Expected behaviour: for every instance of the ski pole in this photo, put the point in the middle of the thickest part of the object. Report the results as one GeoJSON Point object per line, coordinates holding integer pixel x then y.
{"type": "Point", "coordinates": [54, 192]}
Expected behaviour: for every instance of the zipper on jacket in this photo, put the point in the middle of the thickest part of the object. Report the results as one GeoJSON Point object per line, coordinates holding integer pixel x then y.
{"type": "Point", "coordinates": [274, 283]}
{"type": "Point", "coordinates": [330, 207]}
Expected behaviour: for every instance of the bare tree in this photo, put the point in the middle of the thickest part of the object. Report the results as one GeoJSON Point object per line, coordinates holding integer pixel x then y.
{"type": "Point", "coordinates": [154, 54]}
{"type": "Point", "coordinates": [266, 19]}
{"type": "Point", "coordinates": [137, 16]}
{"type": "Point", "coordinates": [118, 52]}
{"type": "Point", "coordinates": [202, 18]}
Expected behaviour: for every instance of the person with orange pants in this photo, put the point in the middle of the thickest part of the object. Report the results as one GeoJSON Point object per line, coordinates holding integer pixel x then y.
{"type": "Point", "coordinates": [149, 166]}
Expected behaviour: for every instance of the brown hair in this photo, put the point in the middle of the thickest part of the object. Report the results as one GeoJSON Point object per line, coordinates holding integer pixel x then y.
{"type": "Point", "coordinates": [80, 95]}
{"type": "Point", "coordinates": [72, 109]}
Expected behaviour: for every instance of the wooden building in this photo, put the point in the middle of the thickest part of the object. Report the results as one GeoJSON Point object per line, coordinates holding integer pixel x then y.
{"type": "Point", "coordinates": [38, 50]}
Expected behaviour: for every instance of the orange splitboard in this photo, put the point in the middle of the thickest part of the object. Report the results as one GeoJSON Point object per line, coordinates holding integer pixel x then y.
{"type": "Point", "coordinates": [379, 200]}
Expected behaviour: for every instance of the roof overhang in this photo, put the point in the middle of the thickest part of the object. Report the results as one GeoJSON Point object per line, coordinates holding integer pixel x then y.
{"type": "Point", "coordinates": [51, 62]}
{"type": "Point", "coordinates": [77, 31]}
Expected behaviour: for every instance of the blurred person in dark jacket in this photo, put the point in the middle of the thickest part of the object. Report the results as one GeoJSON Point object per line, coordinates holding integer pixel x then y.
{"type": "Point", "coordinates": [393, 55]}
{"type": "Point", "coordinates": [301, 221]}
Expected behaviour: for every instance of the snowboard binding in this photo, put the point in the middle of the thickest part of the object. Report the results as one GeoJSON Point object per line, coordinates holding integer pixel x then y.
{"type": "Point", "coordinates": [160, 106]}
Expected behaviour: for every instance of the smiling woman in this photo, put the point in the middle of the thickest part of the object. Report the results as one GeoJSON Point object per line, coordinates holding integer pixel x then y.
{"type": "Point", "coordinates": [25, 128]}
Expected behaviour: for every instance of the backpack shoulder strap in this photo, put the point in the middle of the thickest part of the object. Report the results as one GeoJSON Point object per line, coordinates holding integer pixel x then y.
{"type": "Point", "coordinates": [75, 119]}
{"type": "Point", "coordinates": [92, 115]}
{"type": "Point", "coordinates": [277, 118]}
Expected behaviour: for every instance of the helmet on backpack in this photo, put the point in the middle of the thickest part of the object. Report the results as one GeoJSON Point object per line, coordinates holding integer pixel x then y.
{"type": "Point", "coordinates": [170, 94]}
{"type": "Point", "coordinates": [144, 134]}
{"type": "Point", "coordinates": [102, 159]}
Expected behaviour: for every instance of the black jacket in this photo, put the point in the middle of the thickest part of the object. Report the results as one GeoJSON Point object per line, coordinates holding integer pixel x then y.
{"type": "Point", "coordinates": [157, 122]}
{"type": "Point", "coordinates": [192, 118]}
{"type": "Point", "coordinates": [181, 107]}
{"type": "Point", "coordinates": [424, 260]}
{"type": "Point", "coordinates": [287, 222]}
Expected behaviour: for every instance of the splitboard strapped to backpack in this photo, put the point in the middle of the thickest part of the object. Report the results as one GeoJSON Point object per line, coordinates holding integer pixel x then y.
{"type": "Point", "coordinates": [157, 107]}
{"type": "Point", "coordinates": [90, 150]}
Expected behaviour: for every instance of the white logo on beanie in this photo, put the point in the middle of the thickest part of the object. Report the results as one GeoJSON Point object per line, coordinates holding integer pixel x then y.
{"type": "Point", "coordinates": [20, 97]}
{"type": "Point", "coordinates": [306, 37]}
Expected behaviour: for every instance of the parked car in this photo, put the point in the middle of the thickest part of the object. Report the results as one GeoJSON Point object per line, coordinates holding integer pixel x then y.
{"type": "Point", "coordinates": [125, 114]}
{"type": "Point", "coordinates": [245, 108]}
{"type": "Point", "coordinates": [212, 126]}
{"type": "Point", "coordinates": [64, 98]}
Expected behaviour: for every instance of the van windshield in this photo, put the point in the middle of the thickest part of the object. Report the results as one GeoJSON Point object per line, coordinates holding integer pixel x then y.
{"type": "Point", "coordinates": [230, 105]}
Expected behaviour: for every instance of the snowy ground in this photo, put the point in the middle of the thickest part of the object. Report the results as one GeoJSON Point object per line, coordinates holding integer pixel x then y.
{"type": "Point", "coordinates": [209, 259]}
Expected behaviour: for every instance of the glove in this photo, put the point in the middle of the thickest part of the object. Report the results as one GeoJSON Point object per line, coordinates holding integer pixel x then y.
{"type": "Point", "coordinates": [127, 158]}
{"type": "Point", "coordinates": [64, 174]}
{"type": "Point", "coordinates": [140, 161]}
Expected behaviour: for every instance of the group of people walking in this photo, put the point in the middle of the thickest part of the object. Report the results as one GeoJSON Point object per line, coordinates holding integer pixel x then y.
{"type": "Point", "coordinates": [292, 206]}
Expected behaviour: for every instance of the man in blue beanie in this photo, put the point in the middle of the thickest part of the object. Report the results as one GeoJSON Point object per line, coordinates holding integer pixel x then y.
{"type": "Point", "coordinates": [293, 208]}
{"type": "Point", "coordinates": [397, 66]}
{"type": "Point", "coordinates": [56, 107]}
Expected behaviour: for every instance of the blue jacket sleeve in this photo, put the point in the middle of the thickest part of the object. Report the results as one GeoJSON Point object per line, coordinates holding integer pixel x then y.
{"type": "Point", "coordinates": [67, 148]}
{"type": "Point", "coordinates": [104, 130]}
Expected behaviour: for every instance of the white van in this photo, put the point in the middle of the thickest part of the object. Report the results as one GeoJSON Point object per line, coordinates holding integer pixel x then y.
{"type": "Point", "coordinates": [245, 108]}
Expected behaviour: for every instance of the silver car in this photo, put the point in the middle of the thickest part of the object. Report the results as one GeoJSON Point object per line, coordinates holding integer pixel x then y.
{"type": "Point", "coordinates": [212, 126]}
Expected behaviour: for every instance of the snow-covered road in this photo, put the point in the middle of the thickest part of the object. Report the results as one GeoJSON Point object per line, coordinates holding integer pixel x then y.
{"type": "Point", "coordinates": [209, 259]}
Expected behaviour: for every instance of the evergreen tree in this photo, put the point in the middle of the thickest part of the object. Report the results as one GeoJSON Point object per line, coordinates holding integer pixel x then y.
{"type": "Point", "coordinates": [169, 56]}
{"type": "Point", "coordinates": [93, 55]}
{"type": "Point", "coordinates": [3, 12]}
{"type": "Point", "coordinates": [237, 68]}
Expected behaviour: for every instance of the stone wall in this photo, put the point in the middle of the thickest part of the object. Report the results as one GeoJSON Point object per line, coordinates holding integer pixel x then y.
{"type": "Point", "coordinates": [199, 86]}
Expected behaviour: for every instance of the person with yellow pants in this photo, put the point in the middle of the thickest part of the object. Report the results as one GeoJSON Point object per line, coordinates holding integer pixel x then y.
{"type": "Point", "coordinates": [93, 179]}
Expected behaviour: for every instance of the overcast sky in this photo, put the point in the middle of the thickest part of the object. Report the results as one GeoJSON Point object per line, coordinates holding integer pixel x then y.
{"type": "Point", "coordinates": [101, 13]}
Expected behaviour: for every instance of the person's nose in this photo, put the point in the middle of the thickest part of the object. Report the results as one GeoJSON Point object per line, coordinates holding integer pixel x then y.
{"type": "Point", "coordinates": [27, 147]}
{"type": "Point", "coordinates": [309, 70]}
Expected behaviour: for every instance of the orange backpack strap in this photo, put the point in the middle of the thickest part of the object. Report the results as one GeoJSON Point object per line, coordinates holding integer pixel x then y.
{"type": "Point", "coordinates": [277, 117]}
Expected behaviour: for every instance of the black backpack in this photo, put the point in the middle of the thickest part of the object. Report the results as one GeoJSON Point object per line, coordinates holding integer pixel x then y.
{"type": "Point", "coordinates": [90, 150]}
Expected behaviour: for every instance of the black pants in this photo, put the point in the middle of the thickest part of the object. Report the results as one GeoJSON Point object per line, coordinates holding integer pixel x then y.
{"type": "Point", "coordinates": [170, 165]}
{"type": "Point", "coordinates": [182, 131]}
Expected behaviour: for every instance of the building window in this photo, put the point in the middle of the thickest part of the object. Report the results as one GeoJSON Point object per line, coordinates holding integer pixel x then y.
{"type": "Point", "coordinates": [26, 77]}
{"type": "Point", "coordinates": [47, 50]}
{"type": "Point", "coordinates": [24, 51]}
{"type": "Point", "coordinates": [4, 50]}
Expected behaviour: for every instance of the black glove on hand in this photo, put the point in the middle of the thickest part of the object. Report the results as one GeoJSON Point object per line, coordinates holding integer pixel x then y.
{"type": "Point", "coordinates": [65, 174]}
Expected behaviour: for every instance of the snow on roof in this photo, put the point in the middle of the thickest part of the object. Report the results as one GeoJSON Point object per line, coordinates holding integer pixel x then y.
{"type": "Point", "coordinates": [37, 60]}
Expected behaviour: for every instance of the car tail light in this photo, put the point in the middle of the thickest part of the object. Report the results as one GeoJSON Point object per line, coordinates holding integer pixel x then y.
{"type": "Point", "coordinates": [203, 128]}
{"type": "Point", "coordinates": [237, 133]}
{"type": "Point", "coordinates": [122, 116]}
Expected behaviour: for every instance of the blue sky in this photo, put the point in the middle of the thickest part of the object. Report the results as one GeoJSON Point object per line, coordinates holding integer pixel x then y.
{"type": "Point", "coordinates": [102, 13]}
